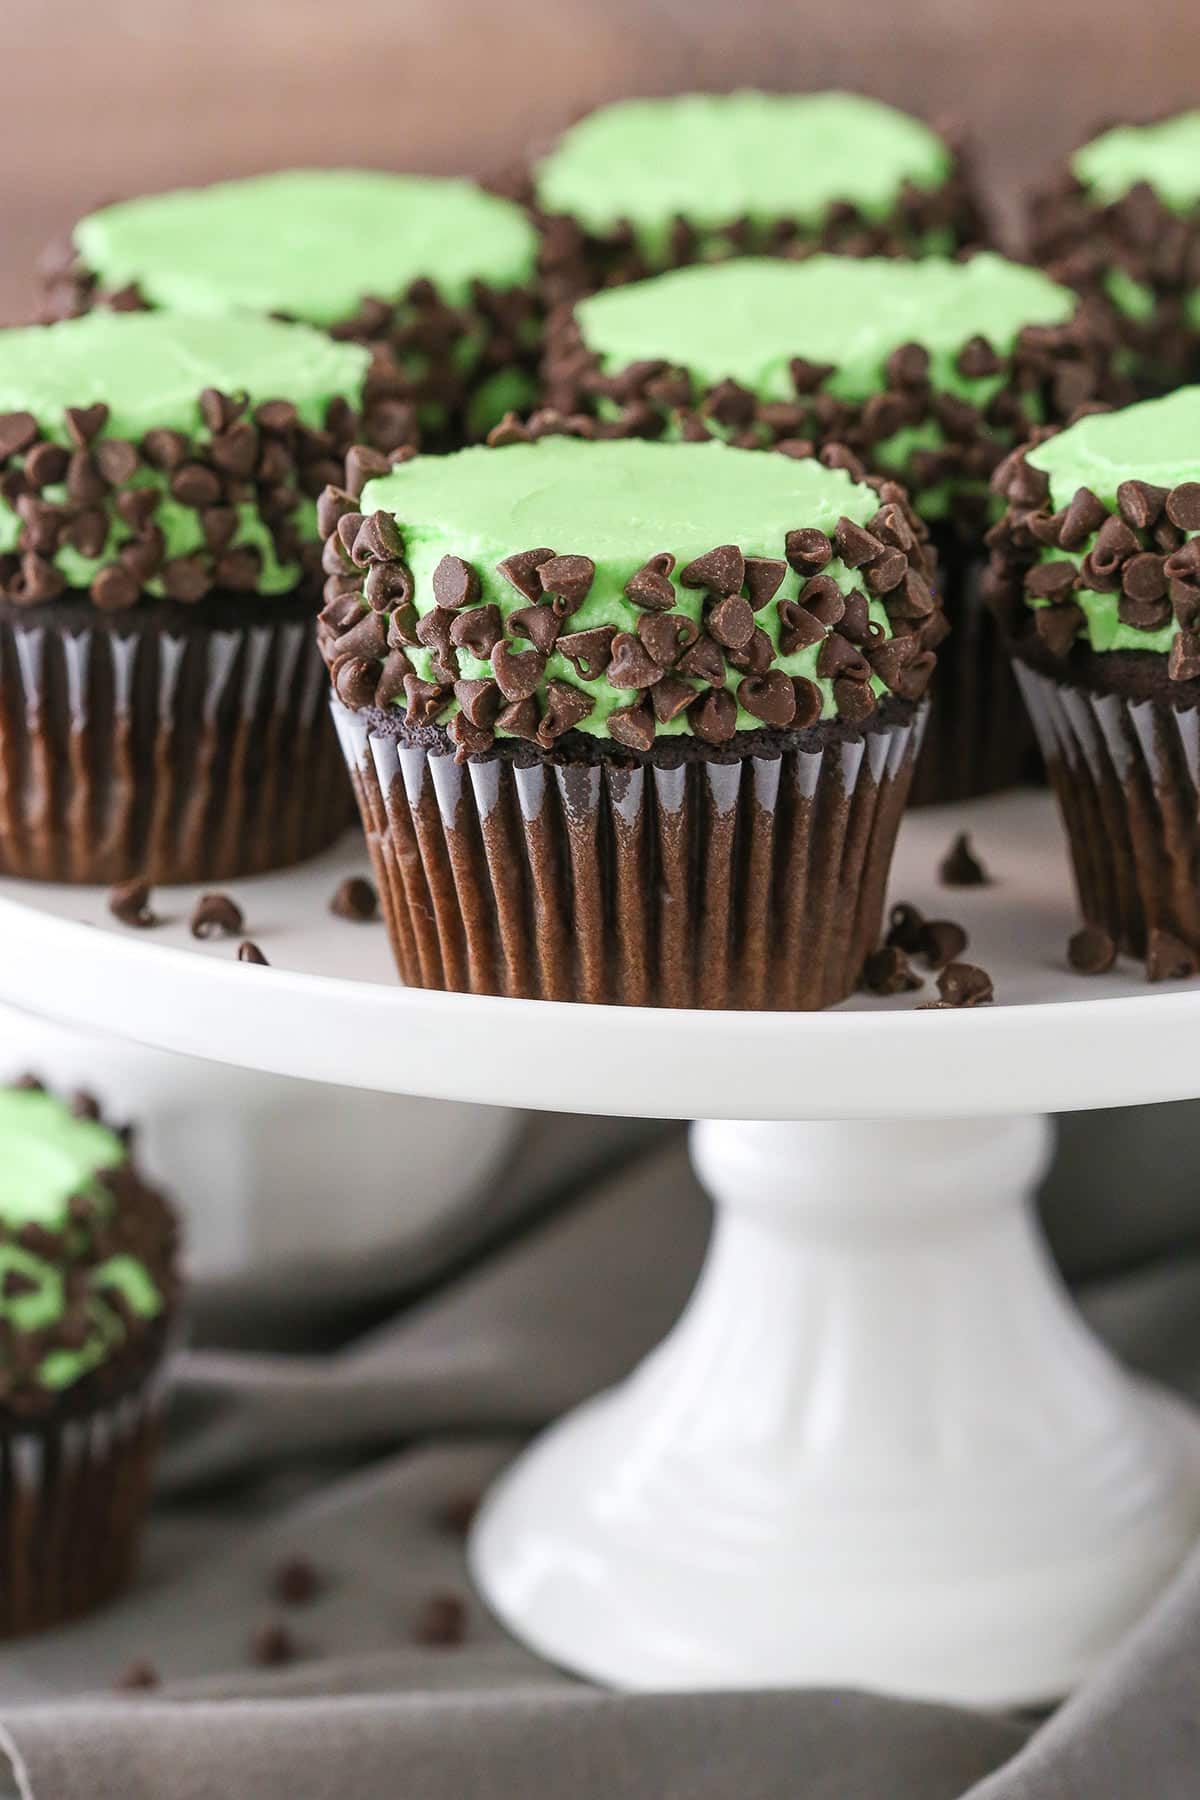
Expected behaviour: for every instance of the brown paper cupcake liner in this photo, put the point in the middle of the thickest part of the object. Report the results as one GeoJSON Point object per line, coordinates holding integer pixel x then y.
{"type": "Point", "coordinates": [1126, 774]}
{"type": "Point", "coordinates": [73, 1497]}
{"type": "Point", "coordinates": [979, 739]}
{"type": "Point", "coordinates": [684, 879]}
{"type": "Point", "coordinates": [164, 743]}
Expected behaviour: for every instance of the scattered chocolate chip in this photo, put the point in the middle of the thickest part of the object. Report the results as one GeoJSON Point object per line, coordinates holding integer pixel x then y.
{"type": "Point", "coordinates": [294, 1582]}
{"type": "Point", "coordinates": [250, 953]}
{"type": "Point", "coordinates": [960, 867]}
{"type": "Point", "coordinates": [441, 1622]}
{"type": "Point", "coordinates": [906, 924]}
{"type": "Point", "coordinates": [273, 1645]}
{"type": "Point", "coordinates": [1168, 958]}
{"type": "Point", "coordinates": [355, 899]}
{"type": "Point", "coordinates": [216, 915]}
{"type": "Point", "coordinates": [887, 971]}
{"type": "Point", "coordinates": [1091, 951]}
{"type": "Point", "coordinates": [129, 904]}
{"type": "Point", "coordinates": [941, 941]}
{"type": "Point", "coordinates": [963, 984]}
{"type": "Point", "coordinates": [137, 1676]}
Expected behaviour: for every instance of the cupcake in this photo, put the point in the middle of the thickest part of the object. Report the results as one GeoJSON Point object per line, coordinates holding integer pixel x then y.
{"type": "Point", "coordinates": [433, 270]}
{"type": "Point", "coordinates": [88, 1294]}
{"type": "Point", "coordinates": [927, 371]}
{"type": "Point", "coordinates": [644, 185]}
{"type": "Point", "coordinates": [1122, 223]}
{"type": "Point", "coordinates": [628, 721]}
{"type": "Point", "coordinates": [161, 709]}
{"type": "Point", "coordinates": [1096, 577]}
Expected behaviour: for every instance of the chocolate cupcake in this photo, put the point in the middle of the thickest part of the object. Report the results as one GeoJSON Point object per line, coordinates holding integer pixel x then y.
{"type": "Point", "coordinates": [1096, 576]}
{"type": "Point", "coordinates": [927, 371]}
{"type": "Point", "coordinates": [432, 270]}
{"type": "Point", "coordinates": [88, 1293]}
{"type": "Point", "coordinates": [161, 711]}
{"type": "Point", "coordinates": [1122, 224]}
{"type": "Point", "coordinates": [629, 722]}
{"type": "Point", "coordinates": [645, 185]}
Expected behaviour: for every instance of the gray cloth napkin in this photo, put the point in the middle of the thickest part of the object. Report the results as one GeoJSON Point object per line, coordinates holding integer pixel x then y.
{"type": "Point", "coordinates": [359, 1448]}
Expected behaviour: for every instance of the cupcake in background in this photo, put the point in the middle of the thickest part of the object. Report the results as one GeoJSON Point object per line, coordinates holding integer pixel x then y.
{"type": "Point", "coordinates": [629, 722]}
{"type": "Point", "coordinates": [89, 1290]}
{"type": "Point", "coordinates": [430, 271]}
{"type": "Point", "coordinates": [1121, 223]}
{"type": "Point", "coordinates": [1096, 577]}
{"type": "Point", "coordinates": [161, 707]}
{"type": "Point", "coordinates": [645, 185]}
{"type": "Point", "coordinates": [928, 372]}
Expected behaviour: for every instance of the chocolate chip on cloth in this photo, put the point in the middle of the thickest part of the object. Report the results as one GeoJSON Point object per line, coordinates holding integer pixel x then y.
{"type": "Point", "coordinates": [558, 704]}
{"type": "Point", "coordinates": [888, 971]}
{"type": "Point", "coordinates": [1091, 951]}
{"type": "Point", "coordinates": [355, 899]}
{"type": "Point", "coordinates": [960, 867]}
{"type": "Point", "coordinates": [250, 953]}
{"type": "Point", "coordinates": [216, 915]}
{"type": "Point", "coordinates": [129, 904]}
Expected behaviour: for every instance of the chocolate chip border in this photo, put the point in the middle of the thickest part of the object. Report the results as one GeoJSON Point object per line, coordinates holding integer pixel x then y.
{"type": "Point", "coordinates": [1139, 549]}
{"type": "Point", "coordinates": [265, 456]}
{"type": "Point", "coordinates": [1065, 367]}
{"type": "Point", "coordinates": [506, 322]}
{"type": "Point", "coordinates": [369, 621]}
{"type": "Point", "coordinates": [574, 261]}
{"type": "Point", "coordinates": [142, 1225]}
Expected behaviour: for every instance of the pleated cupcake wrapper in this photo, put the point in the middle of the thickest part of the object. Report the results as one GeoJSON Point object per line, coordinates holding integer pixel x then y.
{"type": "Point", "coordinates": [188, 756]}
{"type": "Point", "coordinates": [73, 1498]}
{"type": "Point", "coordinates": [979, 739]}
{"type": "Point", "coordinates": [1126, 774]}
{"type": "Point", "coordinates": [755, 883]}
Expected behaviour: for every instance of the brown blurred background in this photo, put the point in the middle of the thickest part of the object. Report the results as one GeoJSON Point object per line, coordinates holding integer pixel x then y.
{"type": "Point", "coordinates": [104, 97]}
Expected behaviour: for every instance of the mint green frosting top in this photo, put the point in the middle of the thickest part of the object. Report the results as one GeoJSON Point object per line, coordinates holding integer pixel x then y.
{"type": "Point", "coordinates": [1157, 441]}
{"type": "Point", "coordinates": [618, 502]}
{"type": "Point", "coordinates": [150, 369]}
{"type": "Point", "coordinates": [1166, 155]}
{"type": "Point", "coordinates": [715, 158]}
{"type": "Point", "coordinates": [310, 243]}
{"type": "Point", "coordinates": [47, 1156]}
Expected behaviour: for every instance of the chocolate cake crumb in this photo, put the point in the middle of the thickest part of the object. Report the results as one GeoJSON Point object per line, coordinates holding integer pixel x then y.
{"type": "Point", "coordinates": [1168, 958]}
{"type": "Point", "coordinates": [963, 984]}
{"type": "Point", "coordinates": [140, 1674]}
{"type": "Point", "coordinates": [250, 953]}
{"type": "Point", "coordinates": [960, 867]}
{"type": "Point", "coordinates": [273, 1645]}
{"type": "Point", "coordinates": [355, 899]}
{"type": "Point", "coordinates": [441, 1622]}
{"type": "Point", "coordinates": [295, 1581]}
{"type": "Point", "coordinates": [457, 1512]}
{"type": "Point", "coordinates": [888, 971]}
{"type": "Point", "coordinates": [1091, 951]}
{"type": "Point", "coordinates": [129, 904]}
{"type": "Point", "coordinates": [216, 915]}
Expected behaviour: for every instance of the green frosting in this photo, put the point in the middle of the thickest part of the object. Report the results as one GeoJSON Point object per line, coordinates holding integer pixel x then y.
{"type": "Point", "coordinates": [715, 158]}
{"type": "Point", "coordinates": [310, 243]}
{"type": "Point", "coordinates": [1158, 442]}
{"type": "Point", "coordinates": [48, 1157]}
{"type": "Point", "coordinates": [1166, 155]}
{"type": "Point", "coordinates": [748, 319]}
{"type": "Point", "coordinates": [619, 503]}
{"type": "Point", "coordinates": [149, 369]}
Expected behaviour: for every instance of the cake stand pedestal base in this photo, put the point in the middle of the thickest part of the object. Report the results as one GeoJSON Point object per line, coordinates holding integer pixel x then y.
{"type": "Point", "coordinates": [879, 1449]}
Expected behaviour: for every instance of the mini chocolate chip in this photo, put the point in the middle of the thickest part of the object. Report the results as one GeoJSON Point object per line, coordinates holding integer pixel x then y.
{"type": "Point", "coordinates": [1058, 626]}
{"type": "Point", "coordinates": [355, 899]}
{"type": "Point", "coordinates": [441, 1622]}
{"type": "Point", "coordinates": [377, 540]}
{"type": "Point", "coordinates": [165, 450]}
{"type": "Point", "coordinates": [216, 915]}
{"type": "Point", "coordinates": [362, 465]}
{"type": "Point", "coordinates": [138, 1676]}
{"type": "Point", "coordinates": [809, 702]}
{"type": "Point", "coordinates": [250, 953]}
{"type": "Point", "coordinates": [116, 460]}
{"type": "Point", "coordinates": [520, 719]}
{"type": "Point", "coordinates": [941, 941]}
{"type": "Point", "coordinates": [566, 705]}
{"type": "Point", "coordinates": [569, 579]}
{"type": "Point", "coordinates": [1183, 506]}
{"type": "Point", "coordinates": [839, 657]}
{"type": "Point", "coordinates": [769, 697]}
{"type": "Point", "coordinates": [798, 628]}
{"type": "Point", "coordinates": [908, 366]}
{"type": "Point", "coordinates": [721, 571]}
{"type": "Point", "coordinates": [1091, 951]}
{"type": "Point", "coordinates": [273, 1645]}
{"type": "Point", "coordinates": [1083, 516]}
{"type": "Point", "coordinates": [1140, 503]}
{"type": "Point", "coordinates": [455, 583]}
{"type": "Point", "coordinates": [756, 657]}
{"type": "Point", "coordinates": [886, 572]}
{"type": "Point", "coordinates": [887, 971]}
{"type": "Point", "coordinates": [19, 431]}
{"type": "Point", "coordinates": [1168, 958]}
{"type": "Point", "coordinates": [333, 504]}
{"type": "Point", "coordinates": [670, 697]}
{"type": "Point", "coordinates": [518, 673]}
{"type": "Point", "coordinates": [855, 545]}
{"type": "Point", "coordinates": [703, 661]}
{"type": "Point", "coordinates": [85, 422]}
{"type": "Point", "coordinates": [808, 376]}
{"type": "Point", "coordinates": [294, 1581]}
{"type": "Point", "coordinates": [855, 622]}
{"type": "Point", "coordinates": [186, 578]}
{"type": "Point", "coordinates": [714, 716]}
{"type": "Point", "coordinates": [960, 867]}
{"type": "Point", "coordinates": [824, 599]}
{"type": "Point", "coordinates": [194, 485]}
{"type": "Point", "coordinates": [83, 1105]}
{"type": "Point", "coordinates": [129, 903]}
{"type": "Point", "coordinates": [764, 577]}
{"type": "Point", "coordinates": [633, 725]}
{"type": "Point", "coordinates": [808, 550]}
{"type": "Point", "coordinates": [963, 984]}
{"type": "Point", "coordinates": [731, 622]}
{"type": "Point", "coordinates": [631, 665]}
{"type": "Point", "coordinates": [478, 630]}
{"type": "Point", "coordinates": [479, 700]}
{"type": "Point", "coordinates": [45, 464]}
{"type": "Point", "coordinates": [589, 652]}
{"type": "Point", "coordinates": [650, 586]}
{"type": "Point", "coordinates": [977, 358]}
{"type": "Point", "coordinates": [1051, 580]}
{"type": "Point", "coordinates": [521, 570]}
{"type": "Point", "coordinates": [667, 635]}
{"type": "Point", "coordinates": [855, 700]}
{"type": "Point", "coordinates": [388, 585]}
{"type": "Point", "coordinates": [539, 623]}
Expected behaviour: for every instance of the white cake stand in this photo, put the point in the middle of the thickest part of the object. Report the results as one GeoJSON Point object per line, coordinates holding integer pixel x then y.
{"type": "Point", "coordinates": [880, 1447]}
